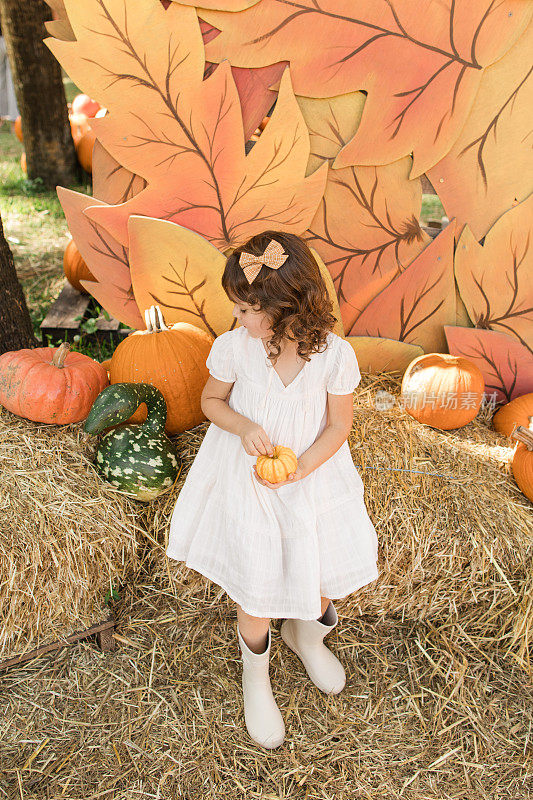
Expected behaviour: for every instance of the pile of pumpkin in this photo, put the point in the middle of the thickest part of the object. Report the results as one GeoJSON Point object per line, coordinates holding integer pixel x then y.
{"type": "Point", "coordinates": [152, 386]}
{"type": "Point", "coordinates": [80, 111]}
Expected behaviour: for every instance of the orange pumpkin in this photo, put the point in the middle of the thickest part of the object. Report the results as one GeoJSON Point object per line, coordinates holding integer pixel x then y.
{"type": "Point", "coordinates": [517, 412]}
{"type": "Point", "coordinates": [75, 267]}
{"type": "Point", "coordinates": [18, 128]}
{"type": "Point", "coordinates": [84, 149]}
{"type": "Point", "coordinates": [50, 384]}
{"type": "Point", "coordinates": [522, 463]}
{"type": "Point", "coordinates": [442, 391]}
{"type": "Point", "coordinates": [79, 124]}
{"type": "Point", "coordinates": [171, 359]}
{"type": "Point", "coordinates": [277, 468]}
{"type": "Point", "coordinates": [23, 165]}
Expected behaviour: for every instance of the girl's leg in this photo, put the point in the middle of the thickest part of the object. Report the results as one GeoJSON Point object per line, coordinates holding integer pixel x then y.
{"type": "Point", "coordinates": [324, 602]}
{"type": "Point", "coordinates": [262, 716]}
{"type": "Point", "coordinates": [253, 630]}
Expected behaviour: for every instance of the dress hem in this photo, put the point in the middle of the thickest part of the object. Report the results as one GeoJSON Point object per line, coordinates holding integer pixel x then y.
{"type": "Point", "coordinates": [338, 595]}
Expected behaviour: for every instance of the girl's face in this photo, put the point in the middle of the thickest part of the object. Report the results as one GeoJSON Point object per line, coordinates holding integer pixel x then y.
{"type": "Point", "coordinates": [256, 322]}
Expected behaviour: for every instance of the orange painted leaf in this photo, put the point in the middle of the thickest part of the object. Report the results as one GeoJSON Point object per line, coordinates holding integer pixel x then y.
{"type": "Point", "coordinates": [107, 260]}
{"type": "Point", "coordinates": [415, 306]}
{"type": "Point", "coordinates": [507, 365]}
{"type": "Point", "coordinates": [180, 271]}
{"type": "Point", "coordinates": [188, 143]}
{"type": "Point", "coordinates": [112, 183]}
{"type": "Point", "coordinates": [377, 355]}
{"type": "Point", "coordinates": [366, 228]}
{"type": "Point", "coordinates": [496, 280]}
{"type": "Point", "coordinates": [420, 66]}
{"type": "Point", "coordinates": [223, 5]}
{"type": "Point", "coordinates": [338, 328]}
{"type": "Point", "coordinates": [489, 166]}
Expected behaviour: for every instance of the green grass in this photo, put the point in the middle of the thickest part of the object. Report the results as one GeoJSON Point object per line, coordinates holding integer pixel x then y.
{"type": "Point", "coordinates": [431, 208]}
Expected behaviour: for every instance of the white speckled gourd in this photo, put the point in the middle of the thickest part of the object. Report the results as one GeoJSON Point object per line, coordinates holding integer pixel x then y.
{"type": "Point", "coordinates": [140, 460]}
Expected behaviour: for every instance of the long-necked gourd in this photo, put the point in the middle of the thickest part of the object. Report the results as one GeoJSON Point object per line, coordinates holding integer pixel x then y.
{"type": "Point", "coordinates": [140, 460]}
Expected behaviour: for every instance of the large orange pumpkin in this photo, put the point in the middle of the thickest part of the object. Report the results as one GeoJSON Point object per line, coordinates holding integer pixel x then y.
{"type": "Point", "coordinates": [84, 149]}
{"type": "Point", "coordinates": [50, 384]}
{"type": "Point", "coordinates": [75, 267]}
{"type": "Point", "coordinates": [277, 468]}
{"type": "Point", "coordinates": [443, 391]}
{"type": "Point", "coordinates": [522, 463]}
{"type": "Point", "coordinates": [517, 412]}
{"type": "Point", "coordinates": [171, 359]}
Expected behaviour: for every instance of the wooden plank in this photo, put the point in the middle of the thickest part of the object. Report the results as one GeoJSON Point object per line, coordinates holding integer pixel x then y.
{"type": "Point", "coordinates": [99, 628]}
{"type": "Point", "coordinates": [61, 315]}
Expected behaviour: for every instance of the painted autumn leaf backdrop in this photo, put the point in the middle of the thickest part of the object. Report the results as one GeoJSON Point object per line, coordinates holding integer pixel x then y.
{"type": "Point", "coordinates": [417, 63]}
{"type": "Point", "coordinates": [188, 140]}
{"type": "Point", "coordinates": [366, 228]}
{"type": "Point", "coordinates": [496, 280]}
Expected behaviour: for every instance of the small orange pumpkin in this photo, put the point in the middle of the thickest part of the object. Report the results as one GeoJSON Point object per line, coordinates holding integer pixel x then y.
{"type": "Point", "coordinates": [84, 149]}
{"type": "Point", "coordinates": [75, 268]}
{"type": "Point", "coordinates": [277, 468]}
{"type": "Point", "coordinates": [171, 359]}
{"type": "Point", "coordinates": [517, 412]}
{"type": "Point", "coordinates": [442, 390]}
{"type": "Point", "coordinates": [83, 104]}
{"type": "Point", "coordinates": [522, 463]}
{"type": "Point", "coordinates": [18, 128]}
{"type": "Point", "coordinates": [50, 384]}
{"type": "Point", "coordinates": [23, 165]}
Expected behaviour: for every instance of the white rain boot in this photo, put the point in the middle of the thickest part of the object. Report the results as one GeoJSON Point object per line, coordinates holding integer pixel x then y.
{"type": "Point", "coordinates": [304, 637]}
{"type": "Point", "coordinates": [261, 714]}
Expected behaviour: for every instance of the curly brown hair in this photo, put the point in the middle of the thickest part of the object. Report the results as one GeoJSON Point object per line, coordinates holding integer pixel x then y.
{"type": "Point", "coordinates": [294, 297]}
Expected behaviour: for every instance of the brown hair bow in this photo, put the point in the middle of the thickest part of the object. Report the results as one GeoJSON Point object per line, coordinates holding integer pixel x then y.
{"type": "Point", "coordinates": [273, 257]}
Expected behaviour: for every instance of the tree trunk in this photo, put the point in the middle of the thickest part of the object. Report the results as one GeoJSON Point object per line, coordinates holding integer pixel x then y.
{"type": "Point", "coordinates": [50, 152]}
{"type": "Point", "coordinates": [16, 330]}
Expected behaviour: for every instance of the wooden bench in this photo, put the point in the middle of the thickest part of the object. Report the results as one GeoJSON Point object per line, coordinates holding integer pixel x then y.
{"type": "Point", "coordinates": [60, 323]}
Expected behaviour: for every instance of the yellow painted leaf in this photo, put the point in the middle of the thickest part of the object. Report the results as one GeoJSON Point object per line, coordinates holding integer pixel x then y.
{"type": "Point", "coordinates": [366, 228]}
{"type": "Point", "coordinates": [377, 355]}
{"type": "Point", "coordinates": [107, 260]}
{"type": "Point", "coordinates": [179, 271]}
{"type": "Point", "coordinates": [496, 280]}
{"type": "Point", "coordinates": [416, 305]}
{"type": "Point", "coordinates": [188, 142]}
{"type": "Point", "coordinates": [419, 63]}
{"type": "Point", "coordinates": [60, 26]}
{"type": "Point", "coordinates": [489, 166]}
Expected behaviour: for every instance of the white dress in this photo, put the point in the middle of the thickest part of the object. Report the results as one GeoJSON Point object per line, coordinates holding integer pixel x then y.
{"type": "Point", "coordinates": [276, 551]}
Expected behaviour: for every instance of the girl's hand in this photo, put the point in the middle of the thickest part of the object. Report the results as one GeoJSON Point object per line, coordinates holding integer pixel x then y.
{"type": "Point", "coordinates": [297, 475]}
{"type": "Point", "coordinates": [255, 440]}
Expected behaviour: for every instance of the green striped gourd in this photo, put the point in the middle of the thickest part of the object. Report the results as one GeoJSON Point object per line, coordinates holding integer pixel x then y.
{"type": "Point", "coordinates": [140, 460]}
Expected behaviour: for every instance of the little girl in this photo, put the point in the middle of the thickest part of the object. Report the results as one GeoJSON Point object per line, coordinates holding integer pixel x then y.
{"type": "Point", "coordinates": [282, 550]}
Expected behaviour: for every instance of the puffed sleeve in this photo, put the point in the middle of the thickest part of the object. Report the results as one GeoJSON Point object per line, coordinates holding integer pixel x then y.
{"type": "Point", "coordinates": [221, 362]}
{"type": "Point", "coordinates": [344, 375]}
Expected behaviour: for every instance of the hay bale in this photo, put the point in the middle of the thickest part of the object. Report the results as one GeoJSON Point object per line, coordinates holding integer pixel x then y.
{"type": "Point", "coordinates": [66, 537]}
{"type": "Point", "coordinates": [455, 546]}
